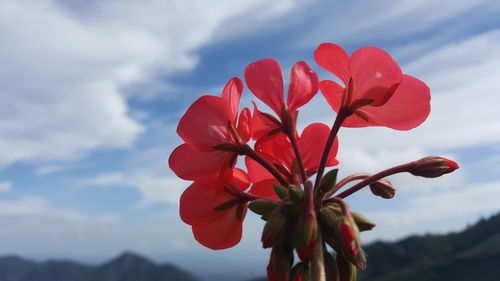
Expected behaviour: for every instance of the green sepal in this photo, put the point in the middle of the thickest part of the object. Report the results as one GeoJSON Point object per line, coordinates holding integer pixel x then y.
{"type": "Point", "coordinates": [328, 181]}
{"type": "Point", "coordinates": [296, 194]}
{"type": "Point", "coordinates": [280, 190]}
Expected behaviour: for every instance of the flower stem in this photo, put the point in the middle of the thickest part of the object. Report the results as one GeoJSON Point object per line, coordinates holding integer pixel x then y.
{"type": "Point", "coordinates": [345, 181]}
{"type": "Point", "coordinates": [376, 177]}
{"type": "Point", "coordinates": [317, 262]}
{"type": "Point", "coordinates": [248, 151]}
{"type": "Point", "coordinates": [341, 116]}
{"type": "Point", "coordinates": [303, 176]}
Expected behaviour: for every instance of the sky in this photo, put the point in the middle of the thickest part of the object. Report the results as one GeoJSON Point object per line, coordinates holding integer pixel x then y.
{"type": "Point", "coordinates": [91, 93]}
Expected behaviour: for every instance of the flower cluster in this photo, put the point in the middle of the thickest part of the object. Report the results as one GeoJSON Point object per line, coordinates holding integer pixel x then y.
{"type": "Point", "coordinates": [300, 215]}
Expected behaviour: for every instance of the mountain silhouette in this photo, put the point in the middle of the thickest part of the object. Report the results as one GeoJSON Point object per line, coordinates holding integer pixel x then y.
{"type": "Point", "coordinates": [126, 267]}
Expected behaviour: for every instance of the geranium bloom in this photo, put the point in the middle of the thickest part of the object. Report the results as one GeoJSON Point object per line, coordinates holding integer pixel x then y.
{"type": "Point", "coordinates": [212, 138]}
{"type": "Point", "coordinates": [375, 92]}
{"type": "Point", "coordinates": [278, 150]}
{"type": "Point", "coordinates": [265, 80]}
{"type": "Point", "coordinates": [216, 211]}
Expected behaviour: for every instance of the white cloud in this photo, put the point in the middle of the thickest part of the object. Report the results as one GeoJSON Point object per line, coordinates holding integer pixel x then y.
{"type": "Point", "coordinates": [49, 169]}
{"type": "Point", "coordinates": [148, 172]}
{"type": "Point", "coordinates": [5, 186]}
{"type": "Point", "coordinates": [64, 68]}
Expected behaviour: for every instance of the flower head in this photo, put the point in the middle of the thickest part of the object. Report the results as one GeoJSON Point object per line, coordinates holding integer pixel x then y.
{"type": "Point", "coordinates": [374, 91]}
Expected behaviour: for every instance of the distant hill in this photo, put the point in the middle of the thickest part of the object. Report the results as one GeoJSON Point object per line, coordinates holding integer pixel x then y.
{"type": "Point", "coordinates": [470, 255]}
{"type": "Point", "coordinates": [126, 267]}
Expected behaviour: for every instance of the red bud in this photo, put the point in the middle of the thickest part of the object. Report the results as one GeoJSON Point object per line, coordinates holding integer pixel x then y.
{"type": "Point", "coordinates": [433, 166]}
{"type": "Point", "coordinates": [383, 188]}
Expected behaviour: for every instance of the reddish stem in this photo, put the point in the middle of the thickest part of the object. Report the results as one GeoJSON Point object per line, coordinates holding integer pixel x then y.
{"type": "Point", "coordinates": [303, 176]}
{"type": "Point", "coordinates": [248, 151]}
{"type": "Point", "coordinates": [394, 170]}
{"type": "Point", "coordinates": [345, 181]}
{"type": "Point", "coordinates": [341, 116]}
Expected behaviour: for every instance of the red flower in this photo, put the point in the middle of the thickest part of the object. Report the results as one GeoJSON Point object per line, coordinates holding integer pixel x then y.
{"type": "Point", "coordinates": [265, 80]}
{"type": "Point", "coordinates": [278, 150]}
{"type": "Point", "coordinates": [216, 212]}
{"type": "Point", "coordinates": [209, 129]}
{"type": "Point", "coordinates": [375, 91]}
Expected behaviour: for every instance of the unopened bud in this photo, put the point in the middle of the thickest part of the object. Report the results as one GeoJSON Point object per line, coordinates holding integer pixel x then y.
{"type": "Point", "coordinates": [280, 263]}
{"type": "Point", "coordinates": [330, 219]}
{"type": "Point", "coordinates": [330, 215]}
{"type": "Point", "coordinates": [351, 244]}
{"type": "Point", "coordinates": [305, 235]}
{"type": "Point", "coordinates": [280, 190]}
{"type": "Point", "coordinates": [296, 194]}
{"type": "Point", "coordinates": [383, 188]}
{"type": "Point", "coordinates": [262, 206]}
{"type": "Point", "coordinates": [362, 222]}
{"type": "Point", "coordinates": [273, 229]}
{"type": "Point", "coordinates": [299, 272]}
{"type": "Point", "coordinates": [433, 166]}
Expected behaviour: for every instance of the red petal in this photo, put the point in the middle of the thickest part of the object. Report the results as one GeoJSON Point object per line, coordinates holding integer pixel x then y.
{"type": "Point", "coordinates": [256, 172]}
{"type": "Point", "coordinates": [261, 125]}
{"type": "Point", "coordinates": [264, 79]}
{"type": "Point", "coordinates": [332, 92]}
{"type": "Point", "coordinates": [334, 59]}
{"type": "Point", "coordinates": [244, 123]}
{"type": "Point", "coordinates": [223, 233]}
{"type": "Point", "coordinates": [265, 189]}
{"type": "Point", "coordinates": [303, 85]}
{"type": "Point", "coordinates": [232, 94]}
{"type": "Point", "coordinates": [276, 148]}
{"type": "Point", "coordinates": [312, 143]}
{"type": "Point", "coordinates": [238, 177]}
{"type": "Point", "coordinates": [205, 123]}
{"type": "Point", "coordinates": [375, 75]}
{"type": "Point", "coordinates": [407, 108]}
{"type": "Point", "coordinates": [198, 201]}
{"type": "Point", "coordinates": [190, 164]}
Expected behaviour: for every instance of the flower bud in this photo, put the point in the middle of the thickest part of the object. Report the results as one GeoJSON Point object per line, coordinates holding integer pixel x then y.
{"type": "Point", "coordinates": [383, 188]}
{"type": "Point", "coordinates": [330, 219]}
{"type": "Point", "coordinates": [273, 229]}
{"type": "Point", "coordinates": [280, 262]}
{"type": "Point", "coordinates": [330, 215]}
{"type": "Point", "coordinates": [262, 206]}
{"type": "Point", "coordinates": [351, 244]}
{"type": "Point", "coordinates": [305, 235]}
{"type": "Point", "coordinates": [362, 222]}
{"type": "Point", "coordinates": [433, 166]}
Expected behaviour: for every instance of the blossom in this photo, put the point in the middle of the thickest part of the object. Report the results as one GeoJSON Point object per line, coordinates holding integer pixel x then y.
{"type": "Point", "coordinates": [278, 150]}
{"type": "Point", "coordinates": [212, 134]}
{"type": "Point", "coordinates": [264, 79]}
{"type": "Point", "coordinates": [216, 208]}
{"type": "Point", "coordinates": [375, 92]}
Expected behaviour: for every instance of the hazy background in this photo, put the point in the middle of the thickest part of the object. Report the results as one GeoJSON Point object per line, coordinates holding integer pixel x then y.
{"type": "Point", "coordinates": [91, 92]}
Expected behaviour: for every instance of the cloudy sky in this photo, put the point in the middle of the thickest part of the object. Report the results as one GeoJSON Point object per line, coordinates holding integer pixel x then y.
{"type": "Point", "coordinates": [91, 92]}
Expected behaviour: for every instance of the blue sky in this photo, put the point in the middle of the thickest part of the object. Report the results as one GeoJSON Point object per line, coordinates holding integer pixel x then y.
{"type": "Point", "coordinates": [91, 92]}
